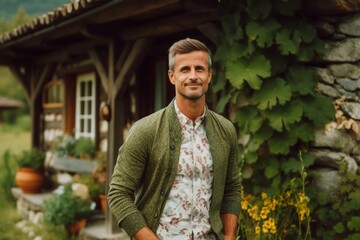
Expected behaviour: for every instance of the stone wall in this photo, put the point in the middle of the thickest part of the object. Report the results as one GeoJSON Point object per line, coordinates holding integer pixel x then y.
{"type": "Point", "coordinates": [338, 71]}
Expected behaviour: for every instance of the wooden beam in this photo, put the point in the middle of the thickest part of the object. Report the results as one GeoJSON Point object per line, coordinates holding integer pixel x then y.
{"type": "Point", "coordinates": [100, 68]}
{"type": "Point", "coordinates": [331, 7]}
{"type": "Point", "coordinates": [64, 52]}
{"type": "Point", "coordinates": [169, 25]}
{"type": "Point", "coordinates": [46, 72]}
{"type": "Point", "coordinates": [23, 79]}
{"type": "Point", "coordinates": [127, 9]}
{"type": "Point", "coordinates": [134, 58]}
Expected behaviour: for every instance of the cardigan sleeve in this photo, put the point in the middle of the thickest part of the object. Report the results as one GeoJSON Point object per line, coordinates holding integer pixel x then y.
{"type": "Point", "coordinates": [232, 191]}
{"type": "Point", "coordinates": [125, 180]}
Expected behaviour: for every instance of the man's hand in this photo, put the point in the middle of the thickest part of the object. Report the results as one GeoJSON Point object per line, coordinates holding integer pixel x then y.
{"type": "Point", "coordinates": [145, 234]}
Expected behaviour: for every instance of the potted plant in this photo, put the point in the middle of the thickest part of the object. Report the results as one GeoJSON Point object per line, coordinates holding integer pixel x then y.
{"type": "Point", "coordinates": [30, 175]}
{"type": "Point", "coordinates": [69, 209]}
{"type": "Point", "coordinates": [84, 148]}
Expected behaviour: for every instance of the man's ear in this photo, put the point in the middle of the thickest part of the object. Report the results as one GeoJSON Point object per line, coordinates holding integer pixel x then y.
{"type": "Point", "coordinates": [171, 77]}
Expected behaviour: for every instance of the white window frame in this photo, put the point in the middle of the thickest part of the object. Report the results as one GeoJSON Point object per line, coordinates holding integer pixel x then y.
{"type": "Point", "coordinates": [88, 130]}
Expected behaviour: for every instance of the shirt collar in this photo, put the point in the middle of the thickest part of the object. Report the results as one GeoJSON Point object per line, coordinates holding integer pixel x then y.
{"type": "Point", "coordinates": [184, 120]}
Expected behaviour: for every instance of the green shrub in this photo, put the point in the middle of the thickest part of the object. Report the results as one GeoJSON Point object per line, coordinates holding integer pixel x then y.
{"type": "Point", "coordinates": [7, 175]}
{"type": "Point", "coordinates": [34, 159]}
{"type": "Point", "coordinates": [66, 208]}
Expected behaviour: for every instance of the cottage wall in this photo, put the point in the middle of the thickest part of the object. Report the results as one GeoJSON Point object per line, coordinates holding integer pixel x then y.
{"type": "Point", "coordinates": [338, 71]}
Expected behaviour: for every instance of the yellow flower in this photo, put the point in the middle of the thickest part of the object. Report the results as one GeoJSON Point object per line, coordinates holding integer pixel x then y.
{"type": "Point", "coordinates": [257, 230]}
{"type": "Point", "coordinates": [244, 205]}
{"type": "Point", "coordinates": [263, 195]}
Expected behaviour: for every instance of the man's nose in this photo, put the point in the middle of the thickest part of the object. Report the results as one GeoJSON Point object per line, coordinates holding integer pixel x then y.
{"type": "Point", "coordinates": [193, 74]}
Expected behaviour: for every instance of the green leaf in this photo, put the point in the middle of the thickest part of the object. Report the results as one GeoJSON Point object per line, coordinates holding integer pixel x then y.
{"type": "Point", "coordinates": [354, 223]}
{"type": "Point", "coordinates": [259, 138]}
{"type": "Point", "coordinates": [262, 32]}
{"type": "Point", "coordinates": [339, 228]}
{"type": "Point", "coordinates": [272, 168]}
{"type": "Point", "coordinates": [231, 25]}
{"type": "Point", "coordinates": [274, 91]}
{"type": "Point", "coordinates": [303, 131]}
{"type": "Point", "coordinates": [250, 157]}
{"type": "Point", "coordinates": [319, 109]}
{"type": "Point", "coordinates": [301, 79]}
{"type": "Point", "coordinates": [258, 8]}
{"type": "Point", "coordinates": [282, 117]}
{"type": "Point", "coordinates": [307, 50]}
{"type": "Point", "coordinates": [308, 159]}
{"type": "Point", "coordinates": [290, 165]}
{"type": "Point", "coordinates": [280, 143]}
{"type": "Point", "coordinates": [288, 42]}
{"type": "Point", "coordinates": [249, 119]}
{"type": "Point", "coordinates": [250, 70]}
{"type": "Point", "coordinates": [355, 236]}
{"type": "Point", "coordinates": [222, 102]}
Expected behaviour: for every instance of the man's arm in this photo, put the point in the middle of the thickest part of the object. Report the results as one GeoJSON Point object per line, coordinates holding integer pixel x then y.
{"type": "Point", "coordinates": [230, 222]}
{"type": "Point", "coordinates": [145, 234]}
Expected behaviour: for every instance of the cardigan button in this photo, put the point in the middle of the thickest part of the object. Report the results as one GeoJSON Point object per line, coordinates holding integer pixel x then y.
{"type": "Point", "coordinates": [162, 192]}
{"type": "Point", "coordinates": [156, 215]}
{"type": "Point", "coordinates": [172, 147]}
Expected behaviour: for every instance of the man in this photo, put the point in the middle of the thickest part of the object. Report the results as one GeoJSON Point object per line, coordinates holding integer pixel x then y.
{"type": "Point", "coordinates": [177, 176]}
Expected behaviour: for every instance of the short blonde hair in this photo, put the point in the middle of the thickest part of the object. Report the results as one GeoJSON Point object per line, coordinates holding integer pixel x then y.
{"type": "Point", "coordinates": [186, 46]}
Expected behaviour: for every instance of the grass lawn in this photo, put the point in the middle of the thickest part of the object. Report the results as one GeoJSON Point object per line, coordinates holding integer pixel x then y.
{"type": "Point", "coordinates": [16, 140]}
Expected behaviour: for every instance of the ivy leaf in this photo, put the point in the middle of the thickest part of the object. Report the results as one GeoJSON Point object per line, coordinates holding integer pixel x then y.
{"type": "Point", "coordinates": [301, 79]}
{"type": "Point", "coordinates": [307, 50]}
{"type": "Point", "coordinates": [354, 223]}
{"type": "Point", "coordinates": [222, 102]}
{"type": "Point", "coordinates": [232, 29]}
{"type": "Point", "coordinates": [303, 131]}
{"type": "Point", "coordinates": [272, 169]}
{"type": "Point", "coordinates": [339, 228]}
{"type": "Point", "coordinates": [288, 42]}
{"type": "Point", "coordinates": [280, 143]}
{"type": "Point", "coordinates": [249, 119]}
{"type": "Point", "coordinates": [308, 159]}
{"type": "Point", "coordinates": [250, 157]}
{"type": "Point", "coordinates": [250, 70]}
{"type": "Point", "coordinates": [319, 109]}
{"type": "Point", "coordinates": [258, 8]}
{"type": "Point", "coordinates": [259, 138]}
{"type": "Point", "coordinates": [262, 32]}
{"type": "Point", "coordinates": [290, 165]}
{"type": "Point", "coordinates": [273, 91]}
{"type": "Point", "coordinates": [282, 117]}
{"type": "Point", "coordinates": [307, 31]}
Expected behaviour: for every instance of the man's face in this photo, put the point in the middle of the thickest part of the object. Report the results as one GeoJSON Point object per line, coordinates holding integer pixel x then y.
{"type": "Point", "coordinates": [191, 75]}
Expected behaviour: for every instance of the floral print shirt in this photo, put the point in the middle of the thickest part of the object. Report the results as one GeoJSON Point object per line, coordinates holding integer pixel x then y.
{"type": "Point", "coordinates": [186, 212]}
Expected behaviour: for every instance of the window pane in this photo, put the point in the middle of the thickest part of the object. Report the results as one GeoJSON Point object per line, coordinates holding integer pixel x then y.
{"type": "Point", "coordinates": [89, 93]}
{"type": "Point", "coordinates": [82, 123]}
{"type": "Point", "coordinates": [89, 125]}
{"type": "Point", "coordinates": [89, 105]}
{"type": "Point", "coordinates": [82, 89]}
{"type": "Point", "coordinates": [82, 107]}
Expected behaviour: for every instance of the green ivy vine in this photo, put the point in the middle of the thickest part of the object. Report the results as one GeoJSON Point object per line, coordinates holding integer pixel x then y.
{"type": "Point", "coordinates": [265, 79]}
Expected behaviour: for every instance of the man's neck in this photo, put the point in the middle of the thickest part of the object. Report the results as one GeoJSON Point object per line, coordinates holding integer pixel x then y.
{"type": "Point", "coordinates": [191, 108]}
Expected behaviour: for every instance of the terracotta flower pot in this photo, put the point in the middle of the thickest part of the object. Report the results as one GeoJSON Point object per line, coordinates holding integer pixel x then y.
{"type": "Point", "coordinates": [29, 180]}
{"type": "Point", "coordinates": [73, 229]}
